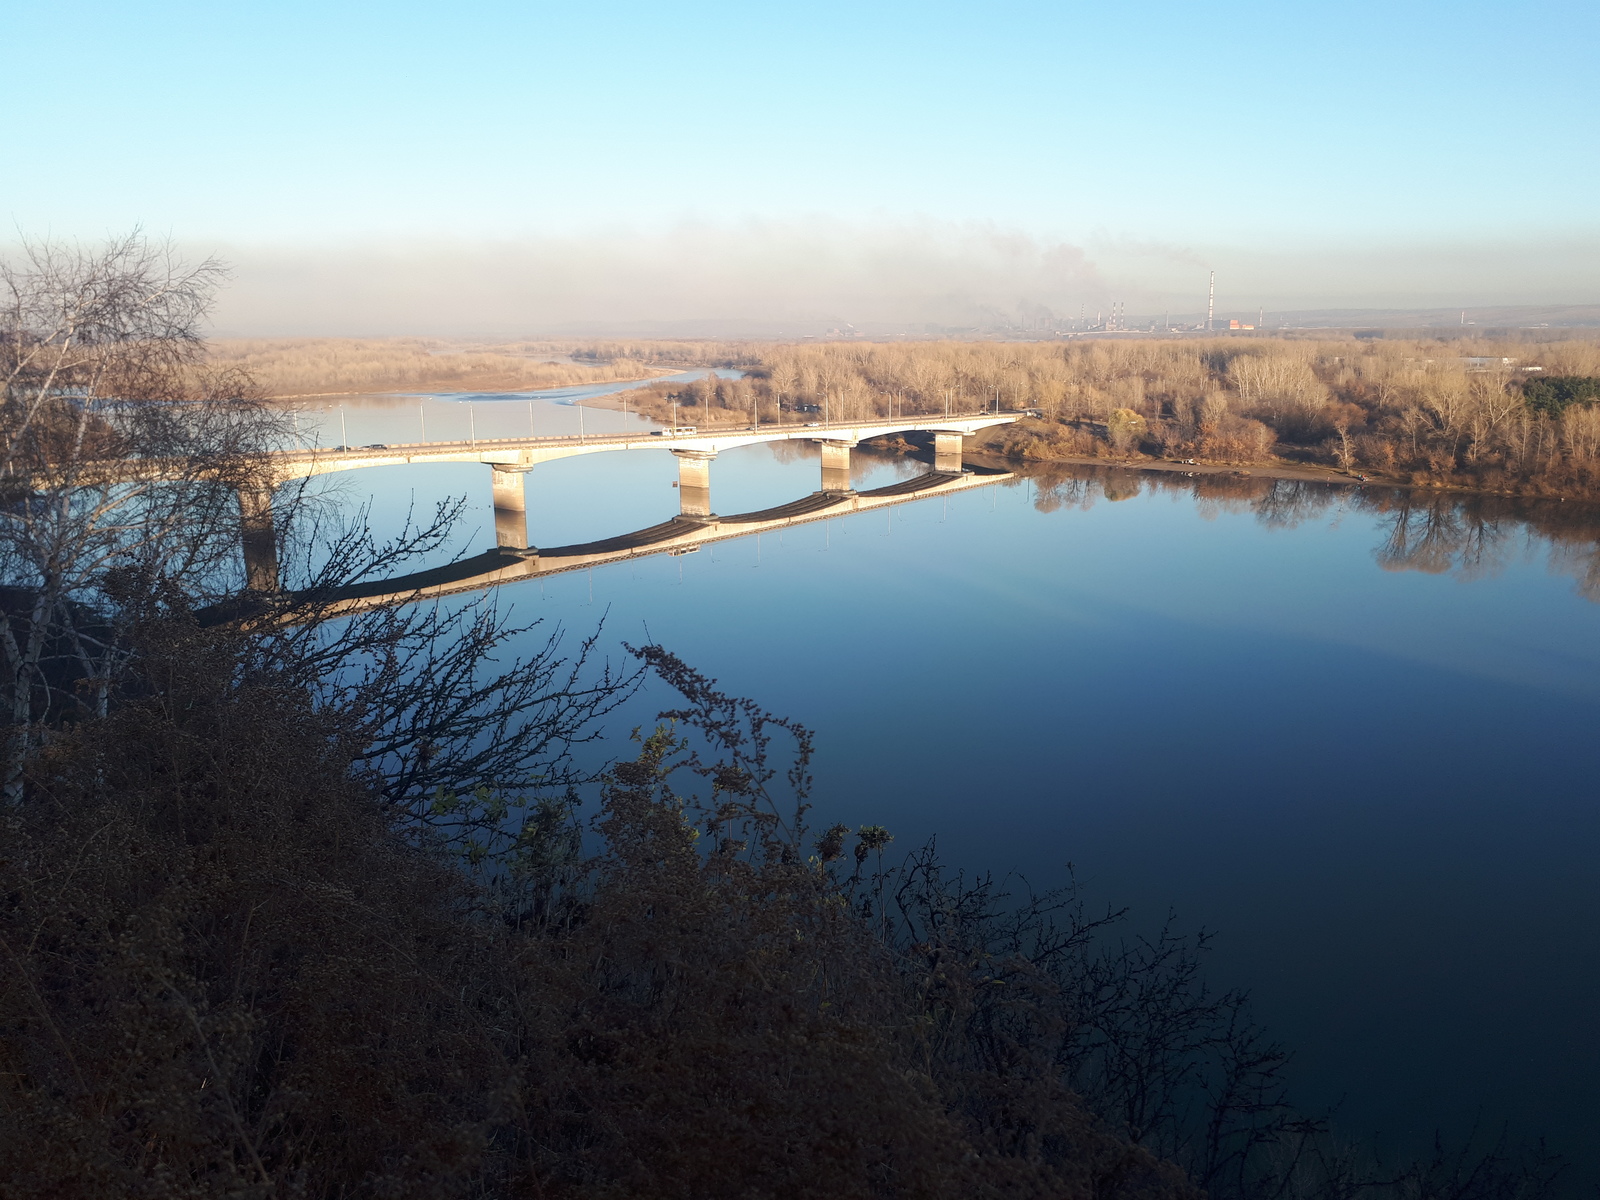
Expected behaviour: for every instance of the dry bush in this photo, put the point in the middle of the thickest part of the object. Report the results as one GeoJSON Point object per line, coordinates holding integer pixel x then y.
{"type": "Point", "coordinates": [229, 973]}
{"type": "Point", "coordinates": [225, 975]}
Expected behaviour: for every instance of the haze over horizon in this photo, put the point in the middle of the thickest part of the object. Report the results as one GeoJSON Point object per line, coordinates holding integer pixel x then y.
{"type": "Point", "coordinates": [619, 166]}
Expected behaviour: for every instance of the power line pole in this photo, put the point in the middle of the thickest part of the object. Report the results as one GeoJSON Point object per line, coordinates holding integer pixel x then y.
{"type": "Point", "coordinates": [1211, 302]}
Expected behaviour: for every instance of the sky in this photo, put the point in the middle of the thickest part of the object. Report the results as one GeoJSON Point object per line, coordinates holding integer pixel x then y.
{"type": "Point", "coordinates": [512, 166]}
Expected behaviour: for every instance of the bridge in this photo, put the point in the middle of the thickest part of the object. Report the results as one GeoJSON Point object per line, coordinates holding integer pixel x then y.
{"type": "Point", "coordinates": [511, 458]}
{"type": "Point", "coordinates": [522, 454]}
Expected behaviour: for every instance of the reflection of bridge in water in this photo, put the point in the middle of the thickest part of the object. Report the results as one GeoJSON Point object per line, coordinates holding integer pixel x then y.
{"type": "Point", "coordinates": [682, 534]}
{"type": "Point", "coordinates": [511, 458]}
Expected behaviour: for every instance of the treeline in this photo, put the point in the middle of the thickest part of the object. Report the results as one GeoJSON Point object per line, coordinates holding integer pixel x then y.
{"type": "Point", "coordinates": [289, 367]}
{"type": "Point", "coordinates": [715, 400]}
{"type": "Point", "coordinates": [1465, 413]}
{"type": "Point", "coordinates": [708, 353]}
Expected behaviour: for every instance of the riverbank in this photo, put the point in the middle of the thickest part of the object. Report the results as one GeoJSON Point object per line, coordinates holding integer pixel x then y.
{"type": "Point", "coordinates": [490, 384]}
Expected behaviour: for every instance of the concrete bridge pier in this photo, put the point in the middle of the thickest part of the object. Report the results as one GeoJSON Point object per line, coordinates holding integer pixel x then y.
{"type": "Point", "coordinates": [510, 507]}
{"type": "Point", "coordinates": [947, 452]}
{"type": "Point", "coordinates": [694, 482]}
{"type": "Point", "coordinates": [836, 465]}
{"type": "Point", "coordinates": [259, 539]}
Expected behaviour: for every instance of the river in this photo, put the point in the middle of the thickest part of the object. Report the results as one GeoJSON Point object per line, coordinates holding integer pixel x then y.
{"type": "Point", "coordinates": [1351, 731]}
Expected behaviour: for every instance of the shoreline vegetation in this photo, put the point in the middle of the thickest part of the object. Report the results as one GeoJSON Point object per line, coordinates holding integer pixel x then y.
{"type": "Point", "coordinates": [1506, 415]}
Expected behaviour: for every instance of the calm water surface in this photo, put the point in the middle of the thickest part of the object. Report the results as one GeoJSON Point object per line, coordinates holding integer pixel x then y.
{"type": "Point", "coordinates": [1353, 733]}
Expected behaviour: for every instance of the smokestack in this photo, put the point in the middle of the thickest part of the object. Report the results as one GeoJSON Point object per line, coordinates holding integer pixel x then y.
{"type": "Point", "coordinates": [1211, 301]}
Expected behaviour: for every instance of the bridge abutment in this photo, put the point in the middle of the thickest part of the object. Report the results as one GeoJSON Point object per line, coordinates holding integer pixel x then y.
{"type": "Point", "coordinates": [694, 482]}
{"type": "Point", "coordinates": [510, 507]}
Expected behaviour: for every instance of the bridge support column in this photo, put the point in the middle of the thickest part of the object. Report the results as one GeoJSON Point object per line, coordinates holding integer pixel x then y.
{"type": "Point", "coordinates": [947, 452]}
{"type": "Point", "coordinates": [836, 465]}
{"type": "Point", "coordinates": [259, 538]}
{"type": "Point", "coordinates": [510, 507]}
{"type": "Point", "coordinates": [694, 482]}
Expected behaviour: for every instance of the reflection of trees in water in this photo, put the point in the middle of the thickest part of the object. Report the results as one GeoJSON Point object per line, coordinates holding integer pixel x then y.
{"type": "Point", "coordinates": [1474, 537]}
{"type": "Point", "coordinates": [1421, 538]}
{"type": "Point", "coordinates": [1286, 503]}
{"type": "Point", "coordinates": [1436, 535]}
{"type": "Point", "coordinates": [1058, 486]}
{"type": "Point", "coordinates": [1118, 486]}
{"type": "Point", "coordinates": [1582, 562]}
{"type": "Point", "coordinates": [794, 449]}
{"type": "Point", "coordinates": [866, 458]}
{"type": "Point", "coordinates": [1469, 536]}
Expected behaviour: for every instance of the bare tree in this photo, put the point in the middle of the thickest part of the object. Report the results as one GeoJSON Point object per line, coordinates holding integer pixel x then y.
{"type": "Point", "coordinates": [121, 463]}
{"type": "Point", "coordinates": [458, 733]}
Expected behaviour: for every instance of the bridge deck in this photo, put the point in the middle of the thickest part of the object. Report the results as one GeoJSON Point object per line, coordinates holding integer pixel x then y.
{"type": "Point", "coordinates": [519, 453]}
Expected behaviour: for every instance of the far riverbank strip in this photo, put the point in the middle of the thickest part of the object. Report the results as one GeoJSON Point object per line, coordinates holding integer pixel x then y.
{"type": "Point", "coordinates": [445, 387]}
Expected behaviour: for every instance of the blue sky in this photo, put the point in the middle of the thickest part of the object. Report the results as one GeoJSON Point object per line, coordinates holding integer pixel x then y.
{"type": "Point", "coordinates": [1158, 138]}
